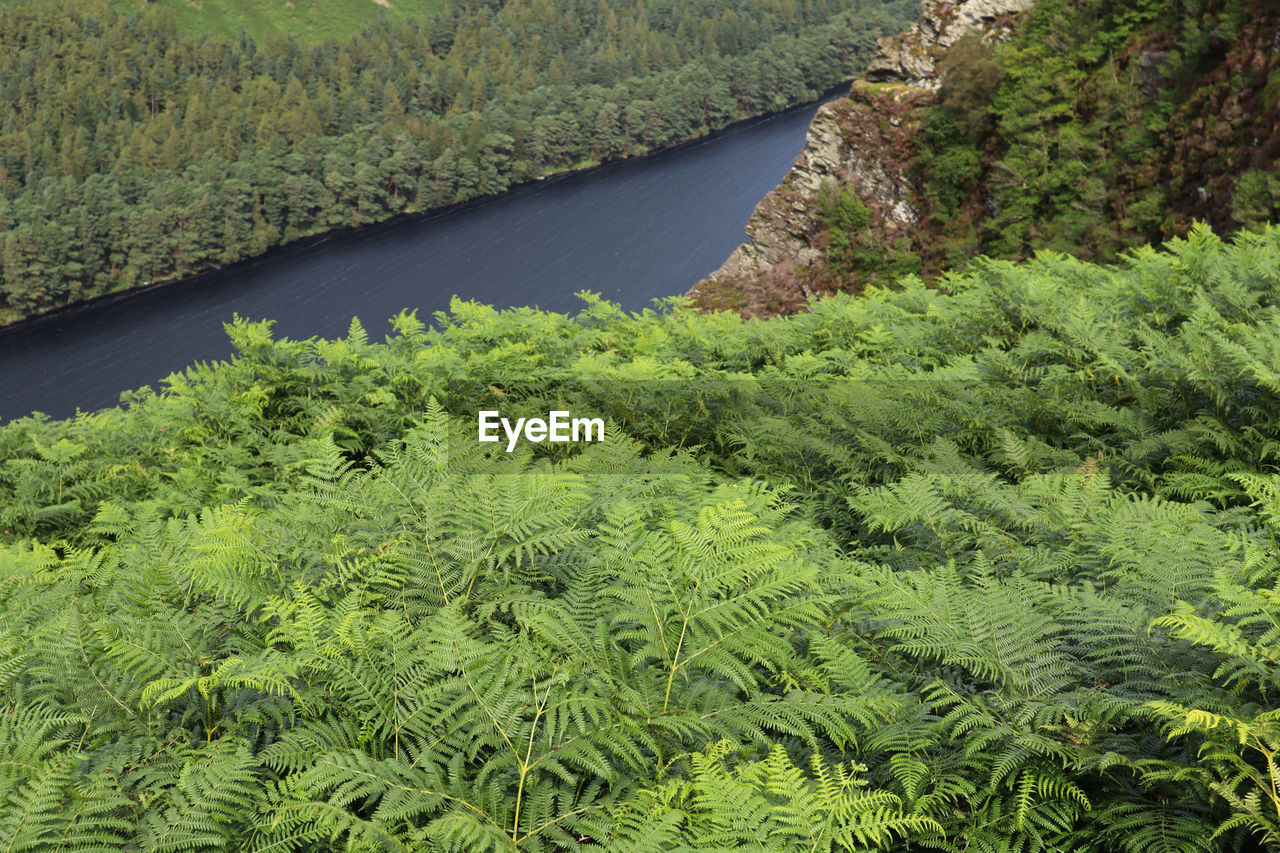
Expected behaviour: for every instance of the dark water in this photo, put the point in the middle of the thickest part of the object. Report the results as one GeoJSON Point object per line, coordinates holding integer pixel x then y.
{"type": "Point", "coordinates": [632, 231]}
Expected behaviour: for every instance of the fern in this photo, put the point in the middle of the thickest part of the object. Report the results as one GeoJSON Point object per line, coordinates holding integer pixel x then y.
{"type": "Point", "coordinates": [913, 570]}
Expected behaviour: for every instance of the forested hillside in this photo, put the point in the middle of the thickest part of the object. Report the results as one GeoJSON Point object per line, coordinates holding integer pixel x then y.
{"type": "Point", "coordinates": [1107, 125]}
{"type": "Point", "coordinates": [133, 152]}
{"type": "Point", "coordinates": [309, 20]}
{"type": "Point", "coordinates": [984, 566]}
{"type": "Point", "coordinates": [1098, 127]}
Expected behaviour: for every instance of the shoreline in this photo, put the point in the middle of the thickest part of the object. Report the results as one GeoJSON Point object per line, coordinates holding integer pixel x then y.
{"type": "Point", "coordinates": [321, 237]}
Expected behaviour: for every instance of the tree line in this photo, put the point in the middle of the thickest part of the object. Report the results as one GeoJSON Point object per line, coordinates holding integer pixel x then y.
{"type": "Point", "coordinates": [131, 152]}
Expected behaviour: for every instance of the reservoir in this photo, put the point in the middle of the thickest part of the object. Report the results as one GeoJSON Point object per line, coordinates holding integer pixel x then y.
{"type": "Point", "coordinates": [632, 231]}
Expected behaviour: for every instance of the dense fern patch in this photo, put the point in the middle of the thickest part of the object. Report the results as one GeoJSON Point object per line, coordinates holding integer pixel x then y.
{"type": "Point", "coordinates": [989, 566]}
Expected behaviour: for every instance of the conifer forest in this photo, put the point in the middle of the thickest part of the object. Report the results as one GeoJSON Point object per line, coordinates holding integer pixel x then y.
{"type": "Point", "coordinates": [131, 152]}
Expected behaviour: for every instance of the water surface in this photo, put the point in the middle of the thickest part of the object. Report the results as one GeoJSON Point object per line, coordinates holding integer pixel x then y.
{"type": "Point", "coordinates": [632, 231]}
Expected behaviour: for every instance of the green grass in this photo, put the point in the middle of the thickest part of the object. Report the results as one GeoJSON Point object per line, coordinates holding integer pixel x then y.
{"type": "Point", "coordinates": [308, 19]}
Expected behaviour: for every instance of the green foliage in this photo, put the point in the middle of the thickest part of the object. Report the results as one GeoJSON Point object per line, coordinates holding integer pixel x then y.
{"type": "Point", "coordinates": [843, 215]}
{"type": "Point", "coordinates": [1256, 200]}
{"type": "Point", "coordinates": [309, 20]}
{"type": "Point", "coordinates": [144, 152]}
{"type": "Point", "coordinates": [1240, 753]}
{"type": "Point", "coordinates": [1098, 127]}
{"type": "Point", "coordinates": [848, 241]}
{"type": "Point", "coordinates": [837, 207]}
{"type": "Point", "coordinates": [984, 568]}
{"type": "Point", "coordinates": [970, 80]}
{"type": "Point", "coordinates": [765, 805]}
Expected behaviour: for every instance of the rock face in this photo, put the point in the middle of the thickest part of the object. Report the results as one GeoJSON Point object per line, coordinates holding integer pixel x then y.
{"type": "Point", "coordinates": [863, 142]}
{"type": "Point", "coordinates": [781, 225]}
{"type": "Point", "coordinates": [911, 57]}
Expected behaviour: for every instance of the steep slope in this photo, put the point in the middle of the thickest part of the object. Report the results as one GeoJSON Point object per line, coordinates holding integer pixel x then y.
{"type": "Point", "coordinates": [860, 144]}
{"type": "Point", "coordinates": [999, 129]}
{"type": "Point", "coordinates": [313, 20]}
{"type": "Point", "coordinates": [912, 57]}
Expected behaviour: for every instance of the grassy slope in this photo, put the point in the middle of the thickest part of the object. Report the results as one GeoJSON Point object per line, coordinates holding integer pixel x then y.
{"type": "Point", "coordinates": [309, 19]}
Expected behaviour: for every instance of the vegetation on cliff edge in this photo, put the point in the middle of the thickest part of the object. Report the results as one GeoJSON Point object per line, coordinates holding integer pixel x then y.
{"type": "Point", "coordinates": [1099, 127]}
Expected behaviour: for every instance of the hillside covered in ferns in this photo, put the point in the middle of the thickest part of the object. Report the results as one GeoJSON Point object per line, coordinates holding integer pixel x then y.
{"type": "Point", "coordinates": [985, 567]}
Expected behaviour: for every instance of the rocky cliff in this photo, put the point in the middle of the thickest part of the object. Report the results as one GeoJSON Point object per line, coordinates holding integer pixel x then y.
{"type": "Point", "coordinates": [912, 57]}
{"type": "Point", "coordinates": [1097, 128]}
{"type": "Point", "coordinates": [864, 142]}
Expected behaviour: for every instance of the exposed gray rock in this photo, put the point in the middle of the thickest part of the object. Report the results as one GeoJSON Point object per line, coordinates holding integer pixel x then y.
{"type": "Point", "coordinates": [782, 225]}
{"type": "Point", "coordinates": [863, 143]}
{"type": "Point", "coordinates": [1150, 78]}
{"type": "Point", "coordinates": [911, 57]}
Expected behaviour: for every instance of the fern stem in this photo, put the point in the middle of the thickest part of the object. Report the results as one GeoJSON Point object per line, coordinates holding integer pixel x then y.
{"type": "Point", "coordinates": [1270, 758]}
{"type": "Point", "coordinates": [526, 765]}
{"type": "Point", "coordinates": [675, 664]}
